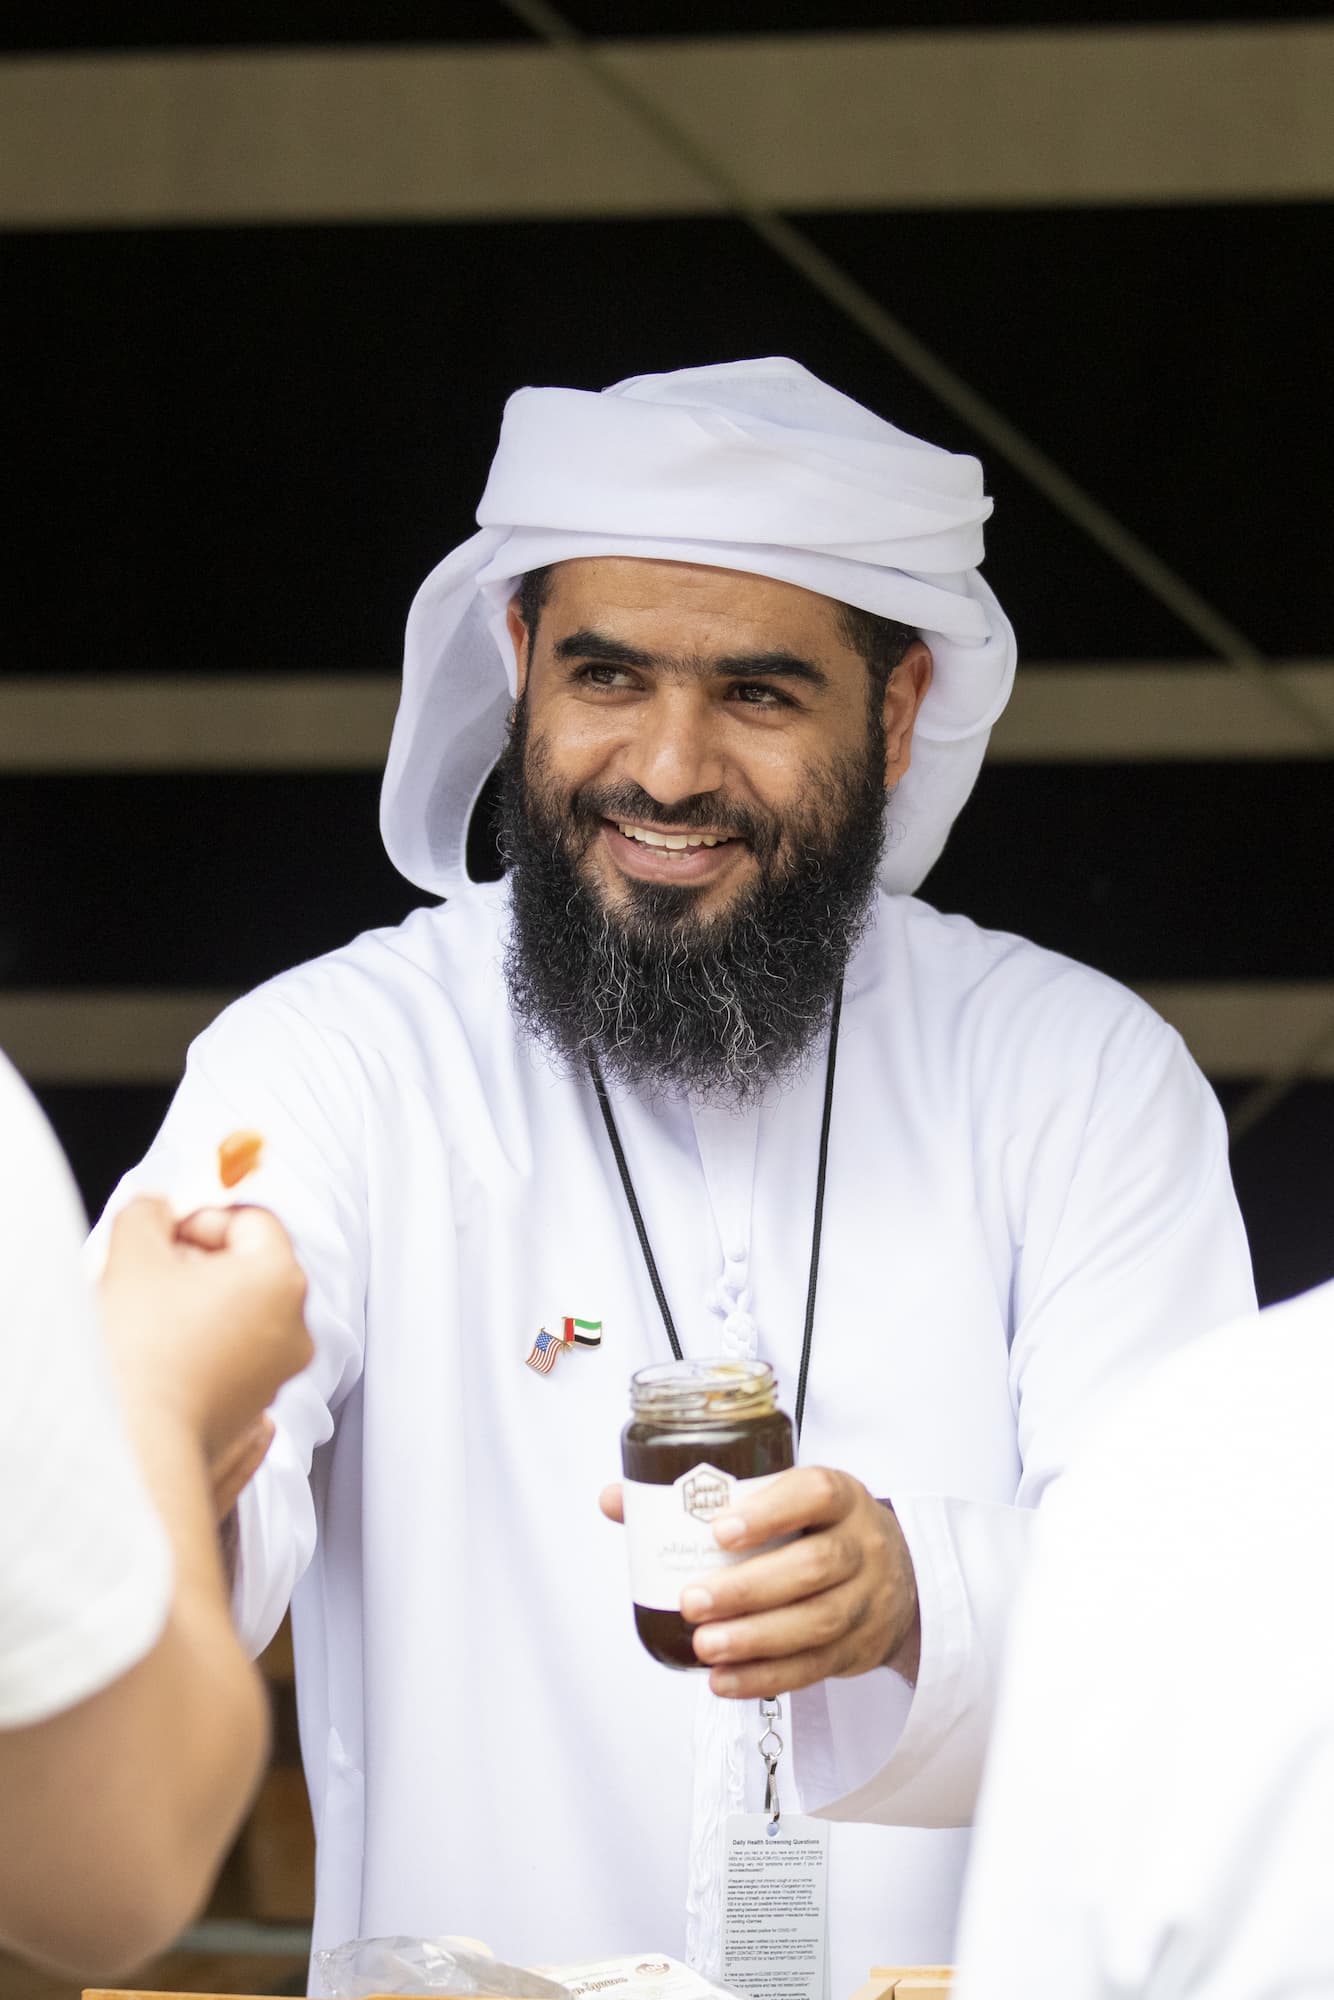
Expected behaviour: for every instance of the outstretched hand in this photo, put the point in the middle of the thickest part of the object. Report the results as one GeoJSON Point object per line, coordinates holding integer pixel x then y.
{"type": "Point", "coordinates": [205, 1317]}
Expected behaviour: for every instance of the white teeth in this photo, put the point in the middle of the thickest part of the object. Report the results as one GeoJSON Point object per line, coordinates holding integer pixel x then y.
{"type": "Point", "coordinates": [674, 841]}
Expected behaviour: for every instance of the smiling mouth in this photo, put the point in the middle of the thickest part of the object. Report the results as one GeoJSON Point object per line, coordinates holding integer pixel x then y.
{"type": "Point", "coordinates": [672, 843]}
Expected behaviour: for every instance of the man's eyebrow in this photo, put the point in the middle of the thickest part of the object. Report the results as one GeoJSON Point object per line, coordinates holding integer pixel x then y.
{"type": "Point", "coordinates": [784, 666]}
{"type": "Point", "coordinates": [590, 645]}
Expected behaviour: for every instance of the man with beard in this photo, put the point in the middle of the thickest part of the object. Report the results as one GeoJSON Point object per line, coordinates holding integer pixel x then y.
{"type": "Point", "coordinates": [701, 1072]}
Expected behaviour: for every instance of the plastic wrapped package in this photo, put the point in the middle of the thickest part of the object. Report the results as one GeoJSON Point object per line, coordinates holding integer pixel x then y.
{"type": "Point", "coordinates": [424, 1966]}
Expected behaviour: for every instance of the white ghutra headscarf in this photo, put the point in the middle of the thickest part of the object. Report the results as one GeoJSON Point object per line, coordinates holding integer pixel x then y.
{"type": "Point", "coordinates": [749, 465]}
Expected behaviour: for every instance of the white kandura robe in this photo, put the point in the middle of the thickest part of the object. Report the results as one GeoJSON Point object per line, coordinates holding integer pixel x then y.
{"type": "Point", "coordinates": [1158, 1814]}
{"type": "Point", "coordinates": [1028, 1201]}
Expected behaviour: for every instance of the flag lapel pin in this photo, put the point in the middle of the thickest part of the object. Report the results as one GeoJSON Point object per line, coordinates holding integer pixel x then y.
{"type": "Point", "coordinates": [541, 1356]}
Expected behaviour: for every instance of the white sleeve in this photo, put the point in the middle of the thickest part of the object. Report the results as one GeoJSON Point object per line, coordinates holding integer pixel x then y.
{"type": "Point", "coordinates": [1158, 1811]}
{"type": "Point", "coordinates": [264, 1067]}
{"type": "Point", "coordinates": [1128, 1248]}
{"type": "Point", "coordinates": [85, 1566]}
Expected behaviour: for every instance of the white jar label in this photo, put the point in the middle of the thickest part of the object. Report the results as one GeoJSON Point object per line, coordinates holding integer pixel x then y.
{"type": "Point", "coordinates": [669, 1532]}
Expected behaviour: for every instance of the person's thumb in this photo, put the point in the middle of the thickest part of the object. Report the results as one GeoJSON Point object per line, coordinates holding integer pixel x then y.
{"type": "Point", "coordinates": [205, 1229]}
{"type": "Point", "coordinates": [255, 1232]}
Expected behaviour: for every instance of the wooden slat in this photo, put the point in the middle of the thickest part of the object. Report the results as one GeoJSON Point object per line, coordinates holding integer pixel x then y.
{"type": "Point", "coordinates": [1105, 712]}
{"type": "Point", "coordinates": [1215, 112]}
{"type": "Point", "coordinates": [910, 1982]}
{"type": "Point", "coordinates": [278, 1845]}
{"type": "Point", "coordinates": [1232, 1028]}
{"type": "Point", "coordinates": [267, 1975]}
{"type": "Point", "coordinates": [276, 1662]}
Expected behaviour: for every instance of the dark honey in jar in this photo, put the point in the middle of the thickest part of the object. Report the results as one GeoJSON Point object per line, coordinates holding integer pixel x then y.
{"type": "Point", "coordinates": [699, 1431]}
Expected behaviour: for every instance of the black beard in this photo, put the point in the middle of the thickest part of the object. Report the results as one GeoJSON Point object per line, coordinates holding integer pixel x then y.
{"type": "Point", "coordinates": [665, 1000]}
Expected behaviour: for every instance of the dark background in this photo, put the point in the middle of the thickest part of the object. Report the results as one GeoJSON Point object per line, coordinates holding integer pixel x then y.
{"type": "Point", "coordinates": [239, 449]}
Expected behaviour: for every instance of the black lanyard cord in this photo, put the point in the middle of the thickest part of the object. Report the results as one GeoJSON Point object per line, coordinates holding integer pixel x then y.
{"type": "Point", "coordinates": [817, 1224]}
{"type": "Point", "coordinates": [650, 1261]}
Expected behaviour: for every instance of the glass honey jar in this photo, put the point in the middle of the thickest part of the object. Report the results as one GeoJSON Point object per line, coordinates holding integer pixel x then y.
{"type": "Point", "coordinates": [699, 1433]}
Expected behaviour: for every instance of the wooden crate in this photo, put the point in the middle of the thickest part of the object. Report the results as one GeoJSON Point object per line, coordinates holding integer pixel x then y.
{"type": "Point", "coordinates": [906, 1982]}
{"type": "Point", "coordinates": [887, 1982]}
{"type": "Point", "coordinates": [276, 1846]}
{"type": "Point", "coordinates": [278, 1850]}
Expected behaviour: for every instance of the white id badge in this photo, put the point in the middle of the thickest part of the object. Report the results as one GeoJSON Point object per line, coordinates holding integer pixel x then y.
{"type": "Point", "coordinates": [776, 1907]}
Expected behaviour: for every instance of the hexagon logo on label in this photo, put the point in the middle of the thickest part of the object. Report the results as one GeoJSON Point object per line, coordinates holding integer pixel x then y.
{"type": "Point", "coordinates": [704, 1492]}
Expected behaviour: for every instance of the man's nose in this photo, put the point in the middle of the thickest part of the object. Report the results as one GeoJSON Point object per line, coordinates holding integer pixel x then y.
{"type": "Point", "coordinates": [673, 753]}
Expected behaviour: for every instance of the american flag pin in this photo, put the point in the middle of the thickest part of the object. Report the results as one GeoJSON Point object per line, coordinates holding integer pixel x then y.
{"type": "Point", "coordinates": [573, 1333]}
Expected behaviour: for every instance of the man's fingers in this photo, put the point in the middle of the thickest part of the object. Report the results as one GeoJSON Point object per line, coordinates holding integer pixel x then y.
{"type": "Point", "coordinates": [763, 1679]}
{"type": "Point", "coordinates": [815, 1625]}
{"type": "Point", "coordinates": [762, 1683]}
{"type": "Point", "coordinates": [811, 1496]}
{"type": "Point", "coordinates": [609, 1500]}
{"type": "Point", "coordinates": [800, 1570]}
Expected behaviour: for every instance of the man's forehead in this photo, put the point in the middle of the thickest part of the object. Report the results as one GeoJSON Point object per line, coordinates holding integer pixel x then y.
{"type": "Point", "coordinates": [590, 590]}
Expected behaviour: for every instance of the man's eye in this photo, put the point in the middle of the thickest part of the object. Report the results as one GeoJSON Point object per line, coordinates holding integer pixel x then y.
{"type": "Point", "coordinates": [597, 673]}
{"type": "Point", "coordinates": [759, 694]}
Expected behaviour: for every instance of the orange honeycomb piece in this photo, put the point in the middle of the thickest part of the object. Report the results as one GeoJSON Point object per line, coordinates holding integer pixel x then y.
{"type": "Point", "coordinates": [238, 1155]}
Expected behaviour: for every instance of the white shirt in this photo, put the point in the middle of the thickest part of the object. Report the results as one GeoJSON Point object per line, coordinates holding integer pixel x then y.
{"type": "Point", "coordinates": [85, 1568]}
{"type": "Point", "coordinates": [1028, 1199]}
{"type": "Point", "coordinates": [1158, 1817]}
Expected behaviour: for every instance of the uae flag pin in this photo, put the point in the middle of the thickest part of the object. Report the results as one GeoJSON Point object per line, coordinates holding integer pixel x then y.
{"type": "Point", "coordinates": [573, 1333]}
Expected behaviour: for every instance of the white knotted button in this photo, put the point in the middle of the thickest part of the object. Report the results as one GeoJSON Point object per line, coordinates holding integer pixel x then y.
{"type": "Point", "coordinates": [729, 1301]}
